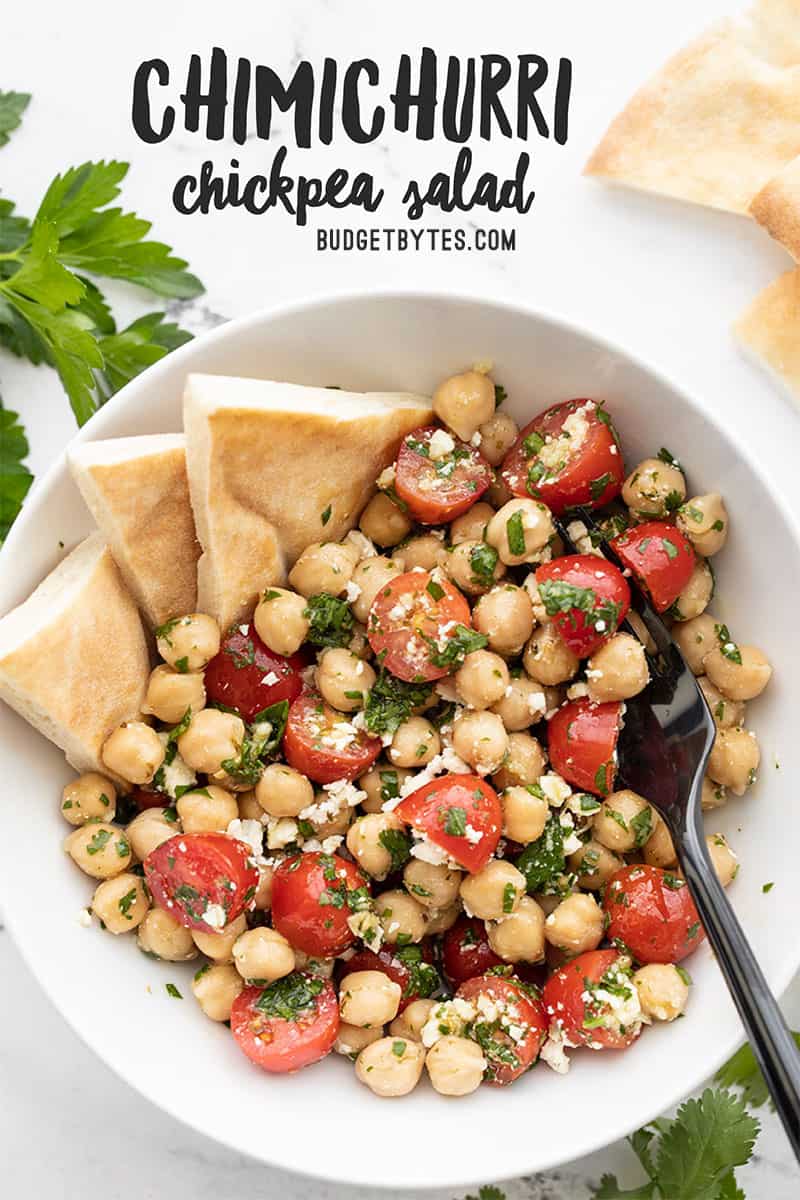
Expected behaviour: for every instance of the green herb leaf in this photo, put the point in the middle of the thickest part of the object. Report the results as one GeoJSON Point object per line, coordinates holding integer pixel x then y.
{"type": "Point", "coordinates": [666, 456]}
{"type": "Point", "coordinates": [330, 620]}
{"type": "Point", "coordinates": [500, 394]}
{"type": "Point", "coordinates": [515, 533]}
{"type": "Point", "coordinates": [483, 561]}
{"type": "Point", "coordinates": [460, 642]}
{"type": "Point", "coordinates": [423, 978]}
{"type": "Point", "coordinates": [542, 860]}
{"type": "Point", "coordinates": [727, 647]}
{"type": "Point", "coordinates": [260, 744]}
{"type": "Point", "coordinates": [390, 701]}
{"type": "Point", "coordinates": [173, 991]}
{"type": "Point", "coordinates": [455, 822]}
{"type": "Point", "coordinates": [599, 485]}
{"type": "Point", "coordinates": [398, 845]}
{"type": "Point", "coordinates": [706, 1140]}
{"type": "Point", "coordinates": [127, 353]}
{"type": "Point", "coordinates": [12, 106]}
{"type": "Point", "coordinates": [15, 478]}
{"type": "Point", "coordinates": [742, 1071]}
{"type": "Point", "coordinates": [558, 596]}
{"type": "Point", "coordinates": [642, 826]}
{"type": "Point", "coordinates": [287, 998]}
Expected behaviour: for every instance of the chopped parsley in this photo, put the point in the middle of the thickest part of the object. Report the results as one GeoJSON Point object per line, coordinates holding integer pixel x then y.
{"type": "Point", "coordinates": [670, 548]}
{"type": "Point", "coordinates": [666, 456]}
{"type": "Point", "coordinates": [434, 589]}
{"type": "Point", "coordinates": [397, 843]}
{"type": "Point", "coordinates": [330, 620]}
{"type": "Point", "coordinates": [599, 485]}
{"type": "Point", "coordinates": [261, 742]}
{"type": "Point", "coordinates": [126, 902]}
{"type": "Point", "coordinates": [500, 394]}
{"type": "Point", "coordinates": [398, 1048]}
{"type": "Point", "coordinates": [287, 998]}
{"type": "Point", "coordinates": [461, 642]}
{"type": "Point", "coordinates": [727, 647]}
{"type": "Point", "coordinates": [532, 444]}
{"type": "Point", "coordinates": [423, 978]}
{"type": "Point", "coordinates": [767, 887]}
{"type": "Point", "coordinates": [391, 701]}
{"type": "Point", "coordinates": [483, 561]}
{"type": "Point", "coordinates": [390, 785]}
{"type": "Point", "coordinates": [642, 826]}
{"type": "Point", "coordinates": [162, 632]}
{"type": "Point", "coordinates": [99, 841]}
{"type": "Point", "coordinates": [601, 778]}
{"type": "Point", "coordinates": [509, 897]}
{"type": "Point", "coordinates": [543, 860]}
{"type": "Point", "coordinates": [173, 991]}
{"type": "Point", "coordinates": [326, 515]}
{"type": "Point", "coordinates": [515, 533]}
{"type": "Point", "coordinates": [455, 822]}
{"type": "Point", "coordinates": [558, 596]}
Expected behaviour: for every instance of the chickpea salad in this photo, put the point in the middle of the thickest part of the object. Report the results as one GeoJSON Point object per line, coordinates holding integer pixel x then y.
{"type": "Point", "coordinates": [382, 814]}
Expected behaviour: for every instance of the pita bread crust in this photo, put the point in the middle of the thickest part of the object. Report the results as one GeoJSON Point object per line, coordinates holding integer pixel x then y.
{"type": "Point", "coordinates": [777, 208]}
{"type": "Point", "coordinates": [720, 119]}
{"type": "Point", "coordinates": [768, 329]}
{"type": "Point", "coordinates": [73, 656]}
{"type": "Point", "coordinates": [266, 462]}
{"type": "Point", "coordinates": [138, 493]}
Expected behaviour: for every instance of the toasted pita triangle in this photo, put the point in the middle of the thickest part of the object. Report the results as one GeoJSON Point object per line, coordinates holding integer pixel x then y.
{"type": "Point", "coordinates": [777, 208]}
{"type": "Point", "coordinates": [769, 329]}
{"type": "Point", "coordinates": [274, 467]}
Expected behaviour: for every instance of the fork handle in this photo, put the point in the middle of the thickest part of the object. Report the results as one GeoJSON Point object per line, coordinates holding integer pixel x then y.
{"type": "Point", "coordinates": [772, 1043]}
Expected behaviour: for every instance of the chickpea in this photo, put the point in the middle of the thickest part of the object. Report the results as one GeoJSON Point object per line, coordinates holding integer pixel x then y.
{"type": "Point", "coordinates": [262, 901]}
{"type": "Point", "coordinates": [149, 829]}
{"type": "Point", "coordinates": [576, 925]}
{"type": "Point", "coordinates": [704, 521]}
{"type": "Point", "coordinates": [283, 792]}
{"type": "Point", "coordinates": [350, 1040]}
{"type": "Point", "coordinates": [121, 902]}
{"type": "Point", "coordinates": [522, 705]}
{"type": "Point", "coordinates": [523, 764]}
{"type": "Point", "coordinates": [415, 743]}
{"type": "Point", "coordinates": [713, 795]}
{"type": "Point", "coordinates": [88, 797]}
{"type": "Point", "coordinates": [464, 402]}
{"type": "Point", "coordinates": [505, 616]}
{"type": "Point", "coordinates": [499, 492]}
{"type": "Point", "coordinates": [594, 864]}
{"type": "Point", "coordinates": [439, 920]}
{"type": "Point", "coordinates": [471, 525]}
{"type": "Point", "coordinates": [263, 953]}
{"type": "Point", "coordinates": [547, 659]}
{"type": "Point", "coordinates": [727, 714]}
{"type": "Point", "coordinates": [652, 487]}
{"type": "Point", "coordinates": [738, 680]}
{"type": "Point", "coordinates": [369, 999]}
{"type": "Point", "coordinates": [359, 642]}
{"type": "Point", "coordinates": [663, 990]}
{"type": "Point", "coordinates": [381, 784]}
{"type": "Point", "coordinates": [640, 629]}
{"type": "Point", "coordinates": [618, 670]}
{"type": "Point", "coordinates": [473, 567]}
{"type": "Point", "coordinates": [383, 522]}
{"type": "Point", "coordinates": [524, 814]}
{"type": "Point", "coordinates": [391, 1066]}
{"type": "Point", "coordinates": [212, 737]}
{"type": "Point", "coordinates": [134, 752]}
{"type": "Point", "coordinates": [248, 806]}
{"type": "Point", "coordinates": [410, 1021]}
{"type": "Point", "coordinates": [659, 850]}
{"type": "Point", "coordinates": [520, 936]}
{"type": "Point", "coordinates": [480, 739]}
{"type": "Point", "coordinates": [625, 822]}
{"type": "Point", "coordinates": [323, 967]}
{"type": "Point", "coordinates": [324, 567]}
{"type": "Point", "coordinates": [209, 810]}
{"type": "Point", "coordinates": [531, 588]}
{"type": "Point", "coordinates": [695, 639]}
{"type": "Point", "coordinates": [99, 849]}
{"type": "Point", "coordinates": [219, 946]}
{"type": "Point", "coordinates": [696, 596]}
{"type": "Point", "coordinates": [170, 694]}
{"type": "Point", "coordinates": [426, 551]}
{"type": "Point", "coordinates": [343, 679]}
{"type": "Point", "coordinates": [498, 435]}
{"type": "Point", "coordinates": [482, 679]}
{"type": "Point", "coordinates": [161, 935]}
{"type": "Point", "coordinates": [370, 576]}
{"type": "Point", "coordinates": [188, 643]}
{"type": "Point", "coordinates": [455, 1065]}
{"type": "Point", "coordinates": [336, 822]}
{"type": "Point", "coordinates": [493, 892]}
{"type": "Point", "coordinates": [402, 918]}
{"type": "Point", "coordinates": [734, 759]}
{"type": "Point", "coordinates": [280, 620]}
{"type": "Point", "coordinates": [216, 988]}
{"type": "Point", "coordinates": [520, 531]}
{"type": "Point", "coordinates": [368, 839]}
{"type": "Point", "coordinates": [724, 860]}
{"type": "Point", "coordinates": [435, 886]}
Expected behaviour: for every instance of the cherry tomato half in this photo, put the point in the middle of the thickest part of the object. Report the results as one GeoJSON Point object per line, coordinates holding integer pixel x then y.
{"type": "Point", "coordinates": [568, 455]}
{"type": "Point", "coordinates": [321, 742]}
{"type": "Point", "coordinates": [439, 489]}
{"type": "Point", "coordinates": [466, 951]}
{"type": "Point", "coordinates": [410, 966]}
{"type": "Point", "coordinates": [660, 557]}
{"type": "Point", "coordinates": [460, 813]}
{"type": "Point", "coordinates": [583, 1016]}
{"type": "Point", "coordinates": [287, 1025]}
{"type": "Point", "coordinates": [411, 623]}
{"type": "Point", "coordinates": [312, 896]}
{"type": "Point", "coordinates": [203, 880]}
{"type": "Point", "coordinates": [508, 1056]}
{"type": "Point", "coordinates": [586, 596]}
{"type": "Point", "coordinates": [582, 741]}
{"type": "Point", "coordinates": [651, 911]}
{"type": "Point", "coordinates": [248, 676]}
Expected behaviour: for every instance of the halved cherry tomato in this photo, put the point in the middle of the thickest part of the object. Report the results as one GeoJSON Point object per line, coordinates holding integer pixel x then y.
{"type": "Point", "coordinates": [322, 743]}
{"type": "Point", "coordinates": [248, 676]}
{"type": "Point", "coordinates": [466, 951]}
{"type": "Point", "coordinates": [460, 813]}
{"type": "Point", "coordinates": [312, 897]}
{"type": "Point", "coordinates": [203, 880]}
{"type": "Point", "coordinates": [412, 622]}
{"type": "Point", "coordinates": [508, 1056]}
{"type": "Point", "coordinates": [439, 489]}
{"type": "Point", "coordinates": [568, 455]}
{"type": "Point", "coordinates": [582, 741]}
{"type": "Point", "coordinates": [287, 1025]}
{"type": "Point", "coordinates": [410, 966]}
{"type": "Point", "coordinates": [583, 1017]}
{"type": "Point", "coordinates": [651, 911]}
{"type": "Point", "coordinates": [660, 557]}
{"type": "Point", "coordinates": [586, 596]}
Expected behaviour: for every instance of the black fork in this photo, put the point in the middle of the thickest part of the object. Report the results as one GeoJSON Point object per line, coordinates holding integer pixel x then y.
{"type": "Point", "coordinates": [664, 746]}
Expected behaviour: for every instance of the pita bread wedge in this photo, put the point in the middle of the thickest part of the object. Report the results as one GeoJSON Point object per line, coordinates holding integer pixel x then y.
{"type": "Point", "coordinates": [769, 329]}
{"type": "Point", "coordinates": [73, 657]}
{"type": "Point", "coordinates": [276, 466]}
{"type": "Point", "coordinates": [777, 208]}
{"type": "Point", "coordinates": [138, 493]}
{"type": "Point", "coordinates": [720, 119]}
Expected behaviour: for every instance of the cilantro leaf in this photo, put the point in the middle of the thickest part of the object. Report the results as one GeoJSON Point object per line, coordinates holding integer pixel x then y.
{"type": "Point", "coordinates": [609, 1189]}
{"type": "Point", "coordinates": [707, 1139]}
{"type": "Point", "coordinates": [742, 1070]}
{"type": "Point", "coordinates": [14, 230]}
{"type": "Point", "coordinates": [12, 106]}
{"type": "Point", "coordinates": [15, 478]}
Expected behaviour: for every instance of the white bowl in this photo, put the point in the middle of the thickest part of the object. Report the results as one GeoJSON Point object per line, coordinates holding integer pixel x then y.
{"type": "Point", "coordinates": [322, 1122]}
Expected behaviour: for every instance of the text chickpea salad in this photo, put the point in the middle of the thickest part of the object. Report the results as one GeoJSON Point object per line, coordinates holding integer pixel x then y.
{"type": "Point", "coordinates": [383, 811]}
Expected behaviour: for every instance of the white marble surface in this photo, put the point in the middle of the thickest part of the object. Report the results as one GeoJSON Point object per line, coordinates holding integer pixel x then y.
{"type": "Point", "coordinates": [664, 279]}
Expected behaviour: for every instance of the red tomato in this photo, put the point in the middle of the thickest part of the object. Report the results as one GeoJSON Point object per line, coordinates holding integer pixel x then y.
{"type": "Point", "coordinates": [466, 951]}
{"type": "Point", "coordinates": [582, 463]}
{"type": "Point", "coordinates": [586, 596]}
{"type": "Point", "coordinates": [508, 1057]}
{"type": "Point", "coordinates": [412, 620]}
{"type": "Point", "coordinates": [321, 742]}
{"type": "Point", "coordinates": [436, 490]}
{"type": "Point", "coordinates": [460, 813]}
{"type": "Point", "coordinates": [248, 676]}
{"type": "Point", "coordinates": [660, 557]}
{"type": "Point", "coordinates": [280, 1043]}
{"type": "Point", "coordinates": [312, 897]}
{"type": "Point", "coordinates": [582, 741]}
{"type": "Point", "coordinates": [410, 966]}
{"type": "Point", "coordinates": [652, 913]}
{"type": "Point", "coordinates": [193, 874]}
{"type": "Point", "coordinates": [583, 1017]}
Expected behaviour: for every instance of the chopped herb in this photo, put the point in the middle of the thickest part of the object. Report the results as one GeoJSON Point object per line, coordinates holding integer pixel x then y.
{"type": "Point", "coordinates": [642, 826]}
{"type": "Point", "coordinates": [684, 975]}
{"type": "Point", "coordinates": [599, 485]}
{"type": "Point", "coordinates": [601, 778]}
{"type": "Point", "coordinates": [173, 991]}
{"type": "Point", "coordinates": [434, 589]}
{"type": "Point", "coordinates": [515, 533]}
{"type": "Point", "coordinates": [692, 931]}
{"type": "Point", "coordinates": [390, 785]}
{"type": "Point", "coordinates": [727, 647]}
{"type": "Point", "coordinates": [543, 860]}
{"type": "Point", "coordinates": [423, 979]}
{"type": "Point", "coordinates": [398, 845]}
{"type": "Point", "coordinates": [242, 653]}
{"type": "Point", "coordinates": [261, 742]}
{"type": "Point", "coordinates": [558, 596]}
{"type": "Point", "coordinates": [483, 561]}
{"type": "Point", "coordinates": [670, 548]}
{"type": "Point", "coordinates": [126, 902]}
{"type": "Point", "coordinates": [532, 444]}
{"type": "Point", "coordinates": [200, 972]}
{"type": "Point", "coordinates": [182, 665]}
{"type": "Point", "coordinates": [270, 594]}
{"type": "Point", "coordinates": [500, 394]}
{"type": "Point", "coordinates": [398, 1048]}
{"type": "Point", "coordinates": [391, 701]}
{"type": "Point", "coordinates": [672, 501]}
{"type": "Point", "coordinates": [287, 998]}
{"type": "Point", "coordinates": [509, 897]}
{"type": "Point", "coordinates": [101, 839]}
{"type": "Point", "coordinates": [455, 822]}
{"type": "Point", "coordinates": [458, 644]}
{"type": "Point", "coordinates": [694, 514]}
{"type": "Point", "coordinates": [767, 887]}
{"type": "Point", "coordinates": [718, 526]}
{"type": "Point", "coordinates": [162, 632]}
{"type": "Point", "coordinates": [673, 882]}
{"type": "Point", "coordinates": [666, 456]}
{"type": "Point", "coordinates": [330, 620]}
{"type": "Point", "coordinates": [618, 817]}
{"type": "Point", "coordinates": [326, 515]}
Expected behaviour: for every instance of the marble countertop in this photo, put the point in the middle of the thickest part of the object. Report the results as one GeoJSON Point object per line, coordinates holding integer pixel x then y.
{"type": "Point", "coordinates": [662, 278]}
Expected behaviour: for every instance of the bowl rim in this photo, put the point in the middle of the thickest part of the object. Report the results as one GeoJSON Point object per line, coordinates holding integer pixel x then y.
{"type": "Point", "coordinates": [585, 1141]}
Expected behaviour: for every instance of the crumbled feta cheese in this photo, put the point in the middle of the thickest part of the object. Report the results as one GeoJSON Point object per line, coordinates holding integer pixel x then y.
{"type": "Point", "coordinates": [215, 916]}
{"type": "Point", "coordinates": [553, 1052]}
{"type": "Point", "coordinates": [176, 774]}
{"type": "Point", "coordinates": [281, 831]}
{"type": "Point", "coordinates": [556, 790]}
{"type": "Point", "coordinates": [362, 544]}
{"type": "Point", "coordinates": [448, 760]}
{"type": "Point", "coordinates": [476, 439]}
{"type": "Point", "coordinates": [270, 679]}
{"type": "Point", "coordinates": [441, 444]}
{"type": "Point", "coordinates": [576, 690]}
{"type": "Point", "coordinates": [386, 477]}
{"type": "Point", "coordinates": [367, 926]}
{"type": "Point", "coordinates": [352, 592]}
{"type": "Point", "coordinates": [473, 835]}
{"type": "Point", "coordinates": [84, 918]}
{"type": "Point", "coordinates": [250, 832]}
{"type": "Point", "coordinates": [449, 1017]}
